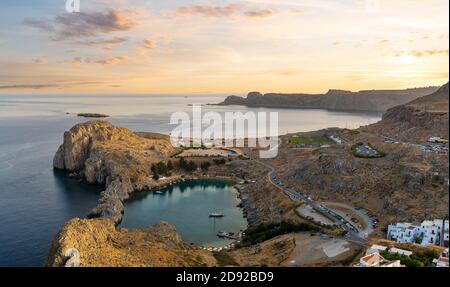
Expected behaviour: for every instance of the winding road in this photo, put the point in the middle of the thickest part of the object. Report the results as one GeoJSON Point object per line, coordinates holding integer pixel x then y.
{"type": "Point", "coordinates": [353, 234]}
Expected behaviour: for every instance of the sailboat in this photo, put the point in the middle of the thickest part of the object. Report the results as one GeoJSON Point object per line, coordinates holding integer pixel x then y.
{"type": "Point", "coordinates": [216, 214]}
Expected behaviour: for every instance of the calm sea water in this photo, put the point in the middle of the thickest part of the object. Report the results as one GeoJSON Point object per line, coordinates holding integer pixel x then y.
{"type": "Point", "coordinates": [35, 201]}
{"type": "Point", "coordinates": [188, 206]}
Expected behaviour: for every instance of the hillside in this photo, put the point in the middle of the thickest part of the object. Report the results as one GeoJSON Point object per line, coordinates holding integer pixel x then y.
{"type": "Point", "coordinates": [417, 120]}
{"type": "Point", "coordinates": [370, 100]}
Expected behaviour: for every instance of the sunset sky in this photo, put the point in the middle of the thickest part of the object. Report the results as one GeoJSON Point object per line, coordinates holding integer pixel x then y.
{"type": "Point", "coordinates": [181, 46]}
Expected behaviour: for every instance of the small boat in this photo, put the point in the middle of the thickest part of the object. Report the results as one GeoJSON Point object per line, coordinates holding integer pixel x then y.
{"type": "Point", "coordinates": [222, 234]}
{"type": "Point", "coordinates": [159, 192]}
{"type": "Point", "coordinates": [216, 214]}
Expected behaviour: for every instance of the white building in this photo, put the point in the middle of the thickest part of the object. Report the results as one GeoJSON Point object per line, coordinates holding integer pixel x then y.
{"type": "Point", "coordinates": [430, 232]}
{"type": "Point", "coordinates": [442, 261]}
{"type": "Point", "coordinates": [403, 232]}
{"type": "Point", "coordinates": [376, 249]}
{"type": "Point", "coordinates": [399, 251]}
{"type": "Point", "coordinates": [437, 140]}
{"type": "Point", "coordinates": [336, 139]}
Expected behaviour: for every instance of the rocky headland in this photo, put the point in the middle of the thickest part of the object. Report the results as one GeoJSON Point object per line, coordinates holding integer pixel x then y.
{"type": "Point", "coordinates": [117, 158]}
{"type": "Point", "coordinates": [370, 100]}
{"type": "Point", "coordinates": [92, 115]}
{"type": "Point", "coordinates": [99, 243]}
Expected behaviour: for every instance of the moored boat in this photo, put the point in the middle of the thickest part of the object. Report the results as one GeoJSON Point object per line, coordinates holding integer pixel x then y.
{"type": "Point", "coordinates": [216, 214]}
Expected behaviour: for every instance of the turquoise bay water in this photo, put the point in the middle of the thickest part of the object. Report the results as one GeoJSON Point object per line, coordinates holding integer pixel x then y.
{"type": "Point", "coordinates": [187, 206]}
{"type": "Point", "coordinates": [35, 201]}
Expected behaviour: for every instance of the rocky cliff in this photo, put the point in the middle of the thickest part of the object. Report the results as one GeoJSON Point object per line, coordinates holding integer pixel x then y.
{"type": "Point", "coordinates": [417, 120]}
{"type": "Point", "coordinates": [117, 158]}
{"type": "Point", "coordinates": [373, 100]}
{"type": "Point", "coordinates": [98, 243]}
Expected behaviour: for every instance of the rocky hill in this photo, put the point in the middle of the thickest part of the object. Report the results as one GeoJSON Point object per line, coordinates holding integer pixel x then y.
{"type": "Point", "coordinates": [417, 120]}
{"type": "Point", "coordinates": [99, 243]}
{"type": "Point", "coordinates": [406, 184]}
{"type": "Point", "coordinates": [117, 158]}
{"type": "Point", "coordinates": [371, 100]}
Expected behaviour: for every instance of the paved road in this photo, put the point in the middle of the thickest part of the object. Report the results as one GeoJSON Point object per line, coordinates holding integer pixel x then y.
{"type": "Point", "coordinates": [353, 234]}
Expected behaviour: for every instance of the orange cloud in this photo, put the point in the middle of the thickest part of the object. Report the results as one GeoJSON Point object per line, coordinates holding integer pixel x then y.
{"type": "Point", "coordinates": [112, 61]}
{"type": "Point", "coordinates": [149, 44]}
{"type": "Point", "coordinates": [424, 53]}
{"type": "Point", "coordinates": [260, 13]}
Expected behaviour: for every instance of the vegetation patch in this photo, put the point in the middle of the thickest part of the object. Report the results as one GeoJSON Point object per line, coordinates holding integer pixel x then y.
{"type": "Point", "coordinates": [420, 258]}
{"type": "Point", "coordinates": [265, 231]}
{"type": "Point", "coordinates": [161, 168]}
{"type": "Point", "coordinates": [188, 166]}
{"type": "Point", "coordinates": [312, 141]}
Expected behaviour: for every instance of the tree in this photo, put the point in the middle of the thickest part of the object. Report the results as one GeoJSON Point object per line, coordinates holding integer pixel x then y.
{"type": "Point", "coordinates": [161, 168]}
{"type": "Point", "coordinates": [192, 166]}
{"type": "Point", "coordinates": [170, 165]}
{"type": "Point", "coordinates": [183, 163]}
{"type": "Point", "coordinates": [205, 165]}
{"type": "Point", "coordinates": [219, 161]}
{"type": "Point", "coordinates": [154, 170]}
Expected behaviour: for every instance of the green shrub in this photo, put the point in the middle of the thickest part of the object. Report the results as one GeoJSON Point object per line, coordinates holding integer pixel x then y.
{"type": "Point", "coordinates": [265, 231]}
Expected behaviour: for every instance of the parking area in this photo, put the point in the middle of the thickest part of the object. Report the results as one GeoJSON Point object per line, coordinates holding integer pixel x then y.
{"type": "Point", "coordinates": [309, 213]}
{"type": "Point", "coordinates": [360, 218]}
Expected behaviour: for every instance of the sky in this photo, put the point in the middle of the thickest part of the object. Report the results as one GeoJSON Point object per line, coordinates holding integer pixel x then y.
{"type": "Point", "coordinates": [209, 46]}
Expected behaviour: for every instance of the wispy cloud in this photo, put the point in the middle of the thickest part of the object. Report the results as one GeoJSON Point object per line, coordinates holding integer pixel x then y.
{"type": "Point", "coordinates": [424, 53]}
{"type": "Point", "coordinates": [210, 11]}
{"type": "Point", "coordinates": [74, 25]}
{"type": "Point", "coordinates": [259, 13]}
{"type": "Point", "coordinates": [112, 61]}
{"type": "Point", "coordinates": [46, 86]}
{"type": "Point", "coordinates": [100, 42]}
{"type": "Point", "coordinates": [41, 61]}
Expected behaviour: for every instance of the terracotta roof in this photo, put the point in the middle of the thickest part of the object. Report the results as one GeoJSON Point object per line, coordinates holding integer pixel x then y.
{"type": "Point", "coordinates": [373, 258]}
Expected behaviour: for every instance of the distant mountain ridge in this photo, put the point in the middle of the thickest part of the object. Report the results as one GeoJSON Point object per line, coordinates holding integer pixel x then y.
{"type": "Point", "coordinates": [366, 100]}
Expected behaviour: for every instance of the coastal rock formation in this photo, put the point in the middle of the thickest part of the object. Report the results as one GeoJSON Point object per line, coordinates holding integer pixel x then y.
{"type": "Point", "coordinates": [92, 115]}
{"type": "Point", "coordinates": [373, 100]}
{"type": "Point", "coordinates": [115, 157]}
{"type": "Point", "coordinates": [418, 120]}
{"type": "Point", "coordinates": [99, 244]}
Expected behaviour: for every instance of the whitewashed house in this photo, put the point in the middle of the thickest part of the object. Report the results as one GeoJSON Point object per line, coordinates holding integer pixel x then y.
{"type": "Point", "coordinates": [399, 251]}
{"type": "Point", "coordinates": [376, 249]}
{"type": "Point", "coordinates": [429, 232]}
{"type": "Point", "coordinates": [403, 232]}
